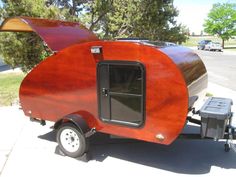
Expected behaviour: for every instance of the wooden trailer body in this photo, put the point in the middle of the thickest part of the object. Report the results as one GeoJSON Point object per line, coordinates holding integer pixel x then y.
{"type": "Point", "coordinates": [127, 89]}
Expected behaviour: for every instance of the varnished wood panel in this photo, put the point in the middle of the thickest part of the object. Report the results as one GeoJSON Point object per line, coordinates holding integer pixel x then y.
{"type": "Point", "coordinates": [57, 34]}
{"type": "Point", "coordinates": [65, 83]}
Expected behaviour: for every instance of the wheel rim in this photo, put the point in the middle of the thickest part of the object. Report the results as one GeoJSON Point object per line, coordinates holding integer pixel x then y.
{"type": "Point", "coordinates": [69, 140]}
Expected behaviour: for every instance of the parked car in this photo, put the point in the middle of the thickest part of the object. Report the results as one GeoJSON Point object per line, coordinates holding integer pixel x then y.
{"type": "Point", "coordinates": [201, 44]}
{"type": "Point", "coordinates": [213, 46]}
{"type": "Point", "coordinates": [170, 44]}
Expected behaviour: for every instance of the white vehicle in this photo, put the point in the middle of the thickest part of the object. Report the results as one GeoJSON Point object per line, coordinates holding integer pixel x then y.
{"type": "Point", "coordinates": [170, 44]}
{"type": "Point", "coordinates": [213, 46]}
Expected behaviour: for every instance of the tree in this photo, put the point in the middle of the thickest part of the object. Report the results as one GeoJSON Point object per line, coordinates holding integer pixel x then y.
{"type": "Point", "coordinates": [96, 10]}
{"type": "Point", "coordinates": [151, 19]}
{"type": "Point", "coordinates": [25, 49]}
{"type": "Point", "coordinates": [221, 21]}
{"type": "Point", "coordinates": [74, 6]}
{"type": "Point", "coordinates": [157, 20]}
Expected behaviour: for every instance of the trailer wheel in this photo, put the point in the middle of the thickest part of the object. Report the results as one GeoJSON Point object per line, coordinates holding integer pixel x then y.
{"type": "Point", "coordinates": [71, 140]}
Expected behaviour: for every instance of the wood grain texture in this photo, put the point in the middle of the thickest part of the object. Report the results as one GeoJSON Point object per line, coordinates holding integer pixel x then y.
{"type": "Point", "coordinates": [57, 34]}
{"type": "Point", "coordinates": [65, 83]}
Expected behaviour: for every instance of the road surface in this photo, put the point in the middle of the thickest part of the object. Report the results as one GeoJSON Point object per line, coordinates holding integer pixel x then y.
{"type": "Point", "coordinates": [221, 67]}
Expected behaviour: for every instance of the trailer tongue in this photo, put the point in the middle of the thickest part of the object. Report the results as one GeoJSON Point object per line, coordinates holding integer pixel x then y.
{"type": "Point", "coordinates": [215, 116]}
{"type": "Point", "coordinates": [216, 121]}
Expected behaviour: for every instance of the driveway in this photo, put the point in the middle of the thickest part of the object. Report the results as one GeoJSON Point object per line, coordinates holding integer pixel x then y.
{"type": "Point", "coordinates": [221, 67]}
{"type": "Point", "coordinates": [27, 149]}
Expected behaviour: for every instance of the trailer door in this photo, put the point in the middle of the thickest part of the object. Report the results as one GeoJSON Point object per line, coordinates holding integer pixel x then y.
{"type": "Point", "coordinates": [121, 92]}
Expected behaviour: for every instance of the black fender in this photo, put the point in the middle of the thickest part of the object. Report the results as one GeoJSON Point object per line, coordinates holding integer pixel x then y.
{"type": "Point", "coordinates": [76, 119]}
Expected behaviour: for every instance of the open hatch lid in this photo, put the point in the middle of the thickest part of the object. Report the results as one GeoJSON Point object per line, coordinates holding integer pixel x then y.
{"type": "Point", "coordinates": [57, 34]}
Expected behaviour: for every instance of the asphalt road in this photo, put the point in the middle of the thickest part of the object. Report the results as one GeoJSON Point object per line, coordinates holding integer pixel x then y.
{"type": "Point", "coordinates": [221, 67]}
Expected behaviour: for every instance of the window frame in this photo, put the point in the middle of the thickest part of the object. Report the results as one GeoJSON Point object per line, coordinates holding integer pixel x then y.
{"type": "Point", "coordinates": [142, 95]}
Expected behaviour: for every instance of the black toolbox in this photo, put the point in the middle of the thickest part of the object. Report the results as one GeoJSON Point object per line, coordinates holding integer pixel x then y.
{"type": "Point", "coordinates": [215, 114]}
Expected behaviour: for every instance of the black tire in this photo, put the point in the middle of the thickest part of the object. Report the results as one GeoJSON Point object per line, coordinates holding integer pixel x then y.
{"type": "Point", "coordinates": [74, 142]}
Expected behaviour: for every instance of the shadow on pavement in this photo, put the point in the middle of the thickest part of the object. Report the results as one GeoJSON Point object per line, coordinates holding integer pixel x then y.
{"type": "Point", "coordinates": [50, 136]}
{"type": "Point", "coordinates": [183, 156]}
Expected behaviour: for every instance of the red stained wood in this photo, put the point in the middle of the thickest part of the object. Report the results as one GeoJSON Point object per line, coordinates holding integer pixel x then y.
{"type": "Point", "coordinates": [57, 34]}
{"type": "Point", "coordinates": [66, 83]}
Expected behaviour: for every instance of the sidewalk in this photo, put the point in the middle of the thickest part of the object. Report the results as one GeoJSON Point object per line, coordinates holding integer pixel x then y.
{"type": "Point", "coordinates": [12, 124]}
{"type": "Point", "coordinates": [27, 149]}
{"type": "Point", "coordinates": [220, 91]}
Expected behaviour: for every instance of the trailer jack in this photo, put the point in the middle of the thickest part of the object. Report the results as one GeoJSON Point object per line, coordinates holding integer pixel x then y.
{"type": "Point", "coordinates": [41, 122]}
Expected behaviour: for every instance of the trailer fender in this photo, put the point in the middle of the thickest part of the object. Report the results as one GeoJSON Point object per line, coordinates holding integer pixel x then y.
{"type": "Point", "coordinates": [77, 120]}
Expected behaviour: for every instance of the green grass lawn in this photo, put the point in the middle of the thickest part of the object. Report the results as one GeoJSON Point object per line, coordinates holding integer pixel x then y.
{"type": "Point", "coordinates": [193, 41]}
{"type": "Point", "coordinates": [9, 87]}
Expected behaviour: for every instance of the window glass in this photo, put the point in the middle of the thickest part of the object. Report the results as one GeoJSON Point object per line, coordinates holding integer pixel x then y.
{"type": "Point", "coordinates": [125, 79]}
{"type": "Point", "coordinates": [126, 109]}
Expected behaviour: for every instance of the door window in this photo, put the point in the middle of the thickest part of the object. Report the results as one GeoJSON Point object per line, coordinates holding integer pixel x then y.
{"type": "Point", "coordinates": [121, 92]}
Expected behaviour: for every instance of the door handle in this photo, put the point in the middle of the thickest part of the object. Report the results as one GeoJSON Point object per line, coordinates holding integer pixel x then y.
{"type": "Point", "coordinates": [104, 92]}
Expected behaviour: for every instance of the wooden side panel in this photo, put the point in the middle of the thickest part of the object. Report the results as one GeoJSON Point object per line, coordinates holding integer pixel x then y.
{"type": "Point", "coordinates": [66, 83]}
{"type": "Point", "coordinates": [192, 68]}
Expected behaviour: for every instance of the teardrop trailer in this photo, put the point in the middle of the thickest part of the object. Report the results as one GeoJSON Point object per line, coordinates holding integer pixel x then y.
{"type": "Point", "coordinates": [132, 89]}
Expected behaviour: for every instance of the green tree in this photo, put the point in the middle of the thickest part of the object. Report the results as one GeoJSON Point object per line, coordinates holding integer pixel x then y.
{"type": "Point", "coordinates": [157, 20]}
{"type": "Point", "coordinates": [75, 7]}
{"type": "Point", "coordinates": [221, 21]}
{"type": "Point", "coordinates": [95, 15]}
{"type": "Point", "coordinates": [151, 19]}
{"type": "Point", "coordinates": [25, 49]}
